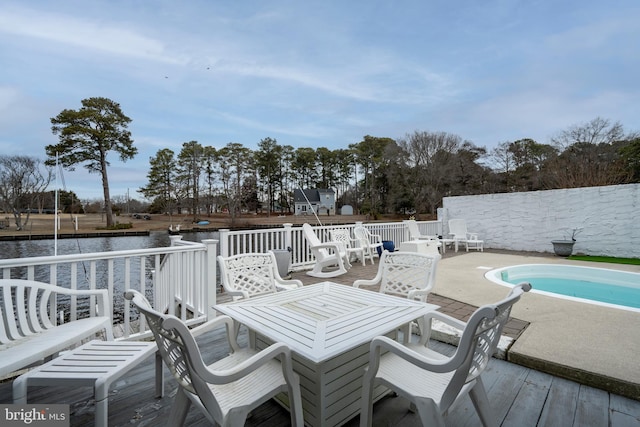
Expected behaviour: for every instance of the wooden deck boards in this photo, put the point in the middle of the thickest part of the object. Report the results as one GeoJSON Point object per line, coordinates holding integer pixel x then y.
{"type": "Point", "coordinates": [519, 397]}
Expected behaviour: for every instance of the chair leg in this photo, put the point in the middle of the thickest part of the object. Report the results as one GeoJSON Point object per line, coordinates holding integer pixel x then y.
{"type": "Point", "coordinates": [295, 404]}
{"type": "Point", "coordinates": [366, 409]}
{"type": "Point", "coordinates": [159, 375]}
{"type": "Point", "coordinates": [20, 390]}
{"type": "Point", "coordinates": [101, 395]}
{"type": "Point", "coordinates": [481, 403]}
{"type": "Point", "coordinates": [180, 409]}
{"type": "Point", "coordinates": [345, 262]}
{"type": "Point", "coordinates": [368, 253]}
{"type": "Point", "coordinates": [425, 330]}
{"type": "Point", "coordinates": [235, 417]}
{"type": "Point", "coordinates": [429, 413]}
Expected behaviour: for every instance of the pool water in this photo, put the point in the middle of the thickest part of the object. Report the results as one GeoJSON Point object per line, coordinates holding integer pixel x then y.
{"type": "Point", "coordinates": [611, 294]}
{"type": "Point", "coordinates": [615, 288]}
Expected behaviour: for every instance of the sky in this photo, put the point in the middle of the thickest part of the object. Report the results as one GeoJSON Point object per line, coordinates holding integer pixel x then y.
{"type": "Point", "coordinates": [313, 73]}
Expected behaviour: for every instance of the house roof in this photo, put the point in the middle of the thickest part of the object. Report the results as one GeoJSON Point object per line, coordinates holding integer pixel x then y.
{"type": "Point", "coordinates": [313, 194]}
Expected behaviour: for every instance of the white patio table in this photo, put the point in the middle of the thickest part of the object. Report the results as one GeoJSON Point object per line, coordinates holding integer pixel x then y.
{"type": "Point", "coordinates": [328, 327]}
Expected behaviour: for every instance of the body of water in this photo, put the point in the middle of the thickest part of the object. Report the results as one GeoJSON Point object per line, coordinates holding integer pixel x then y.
{"type": "Point", "coordinates": [36, 248]}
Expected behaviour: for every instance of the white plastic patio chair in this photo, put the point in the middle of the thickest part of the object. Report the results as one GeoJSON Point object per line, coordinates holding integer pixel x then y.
{"type": "Point", "coordinates": [459, 233]}
{"type": "Point", "coordinates": [252, 274]}
{"type": "Point", "coordinates": [352, 246]}
{"type": "Point", "coordinates": [405, 274]}
{"type": "Point", "coordinates": [432, 382]}
{"type": "Point", "coordinates": [329, 254]}
{"type": "Point", "coordinates": [414, 231]}
{"type": "Point", "coordinates": [369, 242]}
{"type": "Point", "coordinates": [228, 389]}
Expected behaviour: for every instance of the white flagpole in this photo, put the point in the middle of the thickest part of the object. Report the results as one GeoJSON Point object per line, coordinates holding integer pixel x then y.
{"type": "Point", "coordinates": [55, 217]}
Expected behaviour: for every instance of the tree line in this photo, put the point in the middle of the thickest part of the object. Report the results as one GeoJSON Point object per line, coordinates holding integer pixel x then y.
{"type": "Point", "coordinates": [381, 175]}
{"type": "Point", "coordinates": [377, 175]}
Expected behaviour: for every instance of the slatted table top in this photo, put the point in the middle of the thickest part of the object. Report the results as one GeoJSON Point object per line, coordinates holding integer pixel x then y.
{"type": "Point", "coordinates": [323, 320]}
{"type": "Point", "coordinates": [95, 359]}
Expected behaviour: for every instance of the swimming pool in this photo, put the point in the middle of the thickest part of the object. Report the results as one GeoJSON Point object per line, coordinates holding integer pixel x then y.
{"type": "Point", "coordinates": [615, 288]}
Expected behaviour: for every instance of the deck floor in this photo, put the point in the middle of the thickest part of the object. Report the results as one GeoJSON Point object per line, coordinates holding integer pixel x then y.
{"type": "Point", "coordinates": [519, 396]}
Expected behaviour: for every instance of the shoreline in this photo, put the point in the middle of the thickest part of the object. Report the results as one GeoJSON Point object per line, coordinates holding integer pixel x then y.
{"type": "Point", "coordinates": [41, 226]}
{"type": "Point", "coordinates": [79, 234]}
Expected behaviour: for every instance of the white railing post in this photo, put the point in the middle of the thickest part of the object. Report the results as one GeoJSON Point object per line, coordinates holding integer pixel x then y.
{"type": "Point", "coordinates": [287, 235]}
{"type": "Point", "coordinates": [224, 241]}
{"type": "Point", "coordinates": [174, 239]}
{"type": "Point", "coordinates": [211, 282]}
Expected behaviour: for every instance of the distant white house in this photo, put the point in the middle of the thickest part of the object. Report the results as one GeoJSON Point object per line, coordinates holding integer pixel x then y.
{"type": "Point", "coordinates": [322, 201]}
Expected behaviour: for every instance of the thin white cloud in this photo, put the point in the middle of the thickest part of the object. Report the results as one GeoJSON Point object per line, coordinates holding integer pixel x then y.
{"type": "Point", "coordinates": [306, 130]}
{"type": "Point", "coordinates": [604, 36]}
{"type": "Point", "coordinates": [88, 34]}
{"type": "Point", "coordinates": [367, 81]}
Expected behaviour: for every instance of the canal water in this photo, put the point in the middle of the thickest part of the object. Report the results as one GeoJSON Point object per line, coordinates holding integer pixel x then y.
{"type": "Point", "coordinates": [37, 248]}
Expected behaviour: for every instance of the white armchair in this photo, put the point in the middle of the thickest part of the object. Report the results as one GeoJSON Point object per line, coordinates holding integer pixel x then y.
{"type": "Point", "coordinates": [407, 275]}
{"type": "Point", "coordinates": [251, 274]}
{"type": "Point", "coordinates": [369, 242]}
{"type": "Point", "coordinates": [433, 382]}
{"type": "Point", "coordinates": [404, 274]}
{"type": "Point", "coordinates": [414, 231]}
{"type": "Point", "coordinates": [351, 246]}
{"type": "Point", "coordinates": [228, 389]}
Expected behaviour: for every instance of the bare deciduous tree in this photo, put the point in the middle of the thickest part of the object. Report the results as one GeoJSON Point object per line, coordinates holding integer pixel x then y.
{"type": "Point", "coordinates": [430, 155]}
{"type": "Point", "coordinates": [591, 156]}
{"type": "Point", "coordinates": [23, 179]}
{"type": "Point", "coordinates": [596, 131]}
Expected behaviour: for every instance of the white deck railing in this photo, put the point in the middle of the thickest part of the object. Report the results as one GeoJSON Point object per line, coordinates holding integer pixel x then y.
{"type": "Point", "coordinates": [180, 279]}
{"type": "Point", "coordinates": [175, 278]}
{"type": "Point", "coordinates": [236, 242]}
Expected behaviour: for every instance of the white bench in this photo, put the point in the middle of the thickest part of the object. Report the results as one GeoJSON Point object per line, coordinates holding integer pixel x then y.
{"type": "Point", "coordinates": [97, 364]}
{"type": "Point", "coordinates": [29, 332]}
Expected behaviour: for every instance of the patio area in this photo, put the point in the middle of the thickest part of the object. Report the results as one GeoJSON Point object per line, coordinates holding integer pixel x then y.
{"type": "Point", "coordinates": [591, 344]}
{"type": "Point", "coordinates": [562, 340]}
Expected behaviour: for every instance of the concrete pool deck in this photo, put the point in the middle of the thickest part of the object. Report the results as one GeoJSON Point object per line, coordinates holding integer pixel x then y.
{"type": "Point", "coordinates": [594, 345]}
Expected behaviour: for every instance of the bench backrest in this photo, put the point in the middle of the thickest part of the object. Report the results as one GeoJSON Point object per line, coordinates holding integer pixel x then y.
{"type": "Point", "coordinates": [29, 307]}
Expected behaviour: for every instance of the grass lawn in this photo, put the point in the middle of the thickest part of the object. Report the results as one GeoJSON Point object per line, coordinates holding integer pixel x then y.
{"type": "Point", "coordinates": [613, 260]}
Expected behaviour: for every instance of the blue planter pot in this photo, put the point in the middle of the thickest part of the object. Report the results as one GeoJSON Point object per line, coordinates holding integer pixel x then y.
{"type": "Point", "coordinates": [388, 245]}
